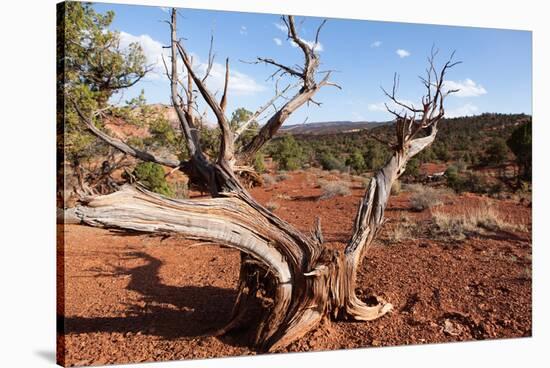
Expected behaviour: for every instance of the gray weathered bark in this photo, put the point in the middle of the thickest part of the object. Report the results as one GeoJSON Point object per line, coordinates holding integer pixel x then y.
{"type": "Point", "coordinates": [295, 279]}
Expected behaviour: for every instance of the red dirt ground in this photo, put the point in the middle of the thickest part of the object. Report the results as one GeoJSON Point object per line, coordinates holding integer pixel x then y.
{"type": "Point", "coordinates": [134, 298]}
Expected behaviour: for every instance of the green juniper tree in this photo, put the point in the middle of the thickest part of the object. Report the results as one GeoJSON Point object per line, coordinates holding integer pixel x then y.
{"type": "Point", "coordinates": [92, 66]}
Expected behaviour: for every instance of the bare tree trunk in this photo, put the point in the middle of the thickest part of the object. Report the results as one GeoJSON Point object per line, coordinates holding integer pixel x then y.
{"type": "Point", "coordinates": [295, 279]}
{"type": "Point", "coordinates": [288, 281]}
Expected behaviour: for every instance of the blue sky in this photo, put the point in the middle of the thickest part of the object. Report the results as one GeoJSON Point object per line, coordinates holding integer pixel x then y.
{"type": "Point", "coordinates": [495, 75]}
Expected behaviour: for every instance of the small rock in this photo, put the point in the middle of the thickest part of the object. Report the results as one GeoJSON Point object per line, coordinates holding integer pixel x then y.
{"type": "Point", "coordinates": [451, 328]}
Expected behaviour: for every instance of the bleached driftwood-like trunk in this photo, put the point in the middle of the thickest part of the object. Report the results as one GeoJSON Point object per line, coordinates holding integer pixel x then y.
{"type": "Point", "coordinates": [289, 281]}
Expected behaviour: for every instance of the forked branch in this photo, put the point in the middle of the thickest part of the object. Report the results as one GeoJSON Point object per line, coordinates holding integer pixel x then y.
{"type": "Point", "coordinates": [370, 215]}
{"type": "Point", "coordinates": [309, 87]}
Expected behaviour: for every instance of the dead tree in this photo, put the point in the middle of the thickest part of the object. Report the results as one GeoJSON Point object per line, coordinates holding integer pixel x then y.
{"type": "Point", "coordinates": [288, 281]}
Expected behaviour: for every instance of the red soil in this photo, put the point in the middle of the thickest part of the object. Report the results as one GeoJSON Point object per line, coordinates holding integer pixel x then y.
{"type": "Point", "coordinates": [142, 298]}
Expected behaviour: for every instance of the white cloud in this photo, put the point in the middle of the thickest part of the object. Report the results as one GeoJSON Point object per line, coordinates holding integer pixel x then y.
{"type": "Point", "coordinates": [280, 27]}
{"type": "Point", "coordinates": [376, 44]}
{"type": "Point", "coordinates": [467, 88]}
{"type": "Point", "coordinates": [277, 41]}
{"type": "Point", "coordinates": [239, 83]}
{"type": "Point", "coordinates": [243, 31]}
{"type": "Point", "coordinates": [379, 106]}
{"type": "Point", "coordinates": [166, 10]}
{"type": "Point", "coordinates": [402, 53]}
{"type": "Point", "coordinates": [465, 110]}
{"type": "Point", "coordinates": [152, 50]}
{"type": "Point", "coordinates": [318, 46]}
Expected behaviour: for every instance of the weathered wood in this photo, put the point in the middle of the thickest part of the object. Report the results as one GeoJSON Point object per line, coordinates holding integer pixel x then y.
{"type": "Point", "coordinates": [288, 281]}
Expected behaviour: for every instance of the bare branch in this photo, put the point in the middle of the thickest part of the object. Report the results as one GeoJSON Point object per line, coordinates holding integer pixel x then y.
{"type": "Point", "coordinates": [258, 112]}
{"type": "Point", "coordinates": [309, 88]}
{"type": "Point", "coordinates": [226, 152]}
{"type": "Point", "coordinates": [121, 146]}
{"type": "Point", "coordinates": [211, 57]}
{"type": "Point", "coordinates": [319, 31]}
{"type": "Point", "coordinates": [223, 102]}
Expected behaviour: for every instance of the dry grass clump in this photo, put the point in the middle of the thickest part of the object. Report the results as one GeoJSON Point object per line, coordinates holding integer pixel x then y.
{"type": "Point", "coordinates": [268, 180]}
{"type": "Point", "coordinates": [471, 221]}
{"type": "Point", "coordinates": [333, 188]}
{"type": "Point", "coordinates": [282, 176]}
{"type": "Point", "coordinates": [284, 197]}
{"type": "Point", "coordinates": [403, 229]}
{"type": "Point", "coordinates": [272, 206]}
{"type": "Point", "coordinates": [314, 170]}
{"type": "Point", "coordinates": [424, 197]}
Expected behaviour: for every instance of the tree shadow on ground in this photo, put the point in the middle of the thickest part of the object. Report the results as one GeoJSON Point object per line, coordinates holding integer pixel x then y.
{"type": "Point", "coordinates": [164, 310]}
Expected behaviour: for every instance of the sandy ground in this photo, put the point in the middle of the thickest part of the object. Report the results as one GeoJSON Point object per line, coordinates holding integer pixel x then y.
{"type": "Point", "coordinates": [134, 298]}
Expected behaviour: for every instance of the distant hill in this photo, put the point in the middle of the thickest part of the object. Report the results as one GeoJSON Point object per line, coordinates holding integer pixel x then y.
{"type": "Point", "coordinates": [329, 127]}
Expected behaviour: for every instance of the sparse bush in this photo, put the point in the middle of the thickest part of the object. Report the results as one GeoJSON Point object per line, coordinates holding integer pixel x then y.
{"type": "Point", "coordinates": [151, 175]}
{"type": "Point", "coordinates": [329, 162]}
{"type": "Point", "coordinates": [520, 143]}
{"type": "Point", "coordinates": [259, 164]}
{"type": "Point", "coordinates": [334, 188]}
{"type": "Point", "coordinates": [356, 161]}
{"type": "Point", "coordinates": [467, 182]}
{"type": "Point", "coordinates": [268, 180]}
{"type": "Point", "coordinates": [272, 206]}
{"type": "Point", "coordinates": [403, 229]}
{"type": "Point", "coordinates": [496, 152]}
{"type": "Point", "coordinates": [413, 168]}
{"type": "Point", "coordinates": [449, 226]}
{"type": "Point", "coordinates": [288, 153]}
{"type": "Point", "coordinates": [471, 221]}
{"type": "Point", "coordinates": [424, 197]}
{"type": "Point", "coordinates": [282, 176]}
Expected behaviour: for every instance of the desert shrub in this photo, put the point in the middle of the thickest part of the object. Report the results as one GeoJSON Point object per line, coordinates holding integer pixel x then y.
{"type": "Point", "coordinates": [413, 168]}
{"type": "Point", "coordinates": [272, 206]}
{"type": "Point", "coordinates": [334, 188]}
{"type": "Point", "coordinates": [449, 226]}
{"type": "Point", "coordinates": [151, 175]}
{"type": "Point", "coordinates": [281, 176]}
{"type": "Point", "coordinates": [375, 155]}
{"type": "Point", "coordinates": [268, 180]}
{"type": "Point", "coordinates": [288, 153]}
{"type": "Point", "coordinates": [458, 226]}
{"type": "Point", "coordinates": [356, 161]}
{"type": "Point", "coordinates": [259, 163]}
{"type": "Point", "coordinates": [321, 182]}
{"type": "Point", "coordinates": [424, 197]}
{"type": "Point", "coordinates": [496, 152]}
{"type": "Point", "coordinates": [329, 162]}
{"type": "Point", "coordinates": [403, 229]}
{"type": "Point", "coordinates": [467, 182]}
{"type": "Point", "coordinates": [520, 144]}
{"type": "Point", "coordinates": [162, 133]}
